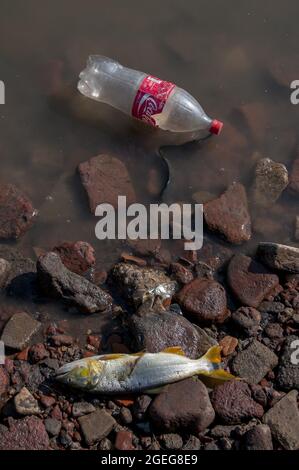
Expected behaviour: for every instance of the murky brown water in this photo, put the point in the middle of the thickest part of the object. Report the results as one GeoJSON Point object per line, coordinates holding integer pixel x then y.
{"type": "Point", "coordinates": [222, 52]}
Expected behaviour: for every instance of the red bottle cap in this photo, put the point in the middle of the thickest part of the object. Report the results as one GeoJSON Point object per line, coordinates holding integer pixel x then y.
{"type": "Point", "coordinates": [216, 127]}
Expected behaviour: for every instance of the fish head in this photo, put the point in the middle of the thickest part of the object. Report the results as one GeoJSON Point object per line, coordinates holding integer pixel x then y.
{"type": "Point", "coordinates": [83, 374]}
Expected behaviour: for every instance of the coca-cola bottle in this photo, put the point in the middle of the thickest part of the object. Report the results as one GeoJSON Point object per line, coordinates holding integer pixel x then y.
{"type": "Point", "coordinates": [157, 102]}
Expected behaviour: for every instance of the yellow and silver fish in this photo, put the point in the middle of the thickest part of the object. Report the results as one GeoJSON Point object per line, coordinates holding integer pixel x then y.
{"type": "Point", "coordinates": [129, 373]}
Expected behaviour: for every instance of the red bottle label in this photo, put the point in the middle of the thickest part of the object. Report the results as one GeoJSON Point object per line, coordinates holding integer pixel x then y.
{"type": "Point", "coordinates": [151, 98]}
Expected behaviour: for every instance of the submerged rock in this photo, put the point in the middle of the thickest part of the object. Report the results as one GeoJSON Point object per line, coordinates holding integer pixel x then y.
{"type": "Point", "coordinates": [271, 178]}
{"type": "Point", "coordinates": [229, 214]}
{"type": "Point", "coordinates": [205, 300]}
{"type": "Point", "coordinates": [104, 178]}
{"type": "Point", "coordinates": [281, 257]}
{"type": "Point", "coordinates": [249, 280]}
{"type": "Point", "coordinates": [19, 330]}
{"type": "Point", "coordinates": [138, 284]}
{"type": "Point", "coordinates": [154, 332]}
{"type": "Point", "coordinates": [78, 257]}
{"type": "Point", "coordinates": [181, 406]}
{"type": "Point", "coordinates": [58, 282]}
{"type": "Point", "coordinates": [16, 212]}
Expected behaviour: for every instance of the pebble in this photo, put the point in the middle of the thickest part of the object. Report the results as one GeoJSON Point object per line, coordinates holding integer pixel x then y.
{"type": "Point", "coordinates": [229, 215]}
{"type": "Point", "coordinates": [249, 280]}
{"type": "Point", "coordinates": [171, 411]}
{"type": "Point", "coordinates": [125, 416]}
{"type": "Point", "coordinates": [37, 353]}
{"type": "Point", "coordinates": [228, 345]}
{"type": "Point", "coordinates": [19, 331]}
{"type": "Point", "coordinates": [5, 267]}
{"type": "Point", "coordinates": [288, 369]}
{"type": "Point", "coordinates": [193, 443]}
{"type": "Point", "coordinates": [78, 257]}
{"type": "Point", "coordinates": [123, 440]}
{"type": "Point", "coordinates": [82, 408]}
{"type": "Point", "coordinates": [254, 362]}
{"type": "Point", "coordinates": [16, 212]}
{"type": "Point", "coordinates": [233, 402]}
{"type": "Point", "coordinates": [205, 300]}
{"type": "Point", "coordinates": [141, 406]}
{"type": "Point", "coordinates": [271, 178]}
{"type": "Point", "coordinates": [53, 426]}
{"type": "Point", "coordinates": [248, 320]}
{"type": "Point", "coordinates": [25, 403]}
{"type": "Point", "coordinates": [281, 257]}
{"type": "Point", "coordinates": [258, 438]}
{"type": "Point", "coordinates": [95, 426]}
{"type": "Point", "coordinates": [171, 441]}
{"type": "Point", "coordinates": [283, 420]}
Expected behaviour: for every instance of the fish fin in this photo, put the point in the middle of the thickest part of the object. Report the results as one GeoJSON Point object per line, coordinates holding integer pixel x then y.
{"type": "Point", "coordinates": [213, 355]}
{"type": "Point", "coordinates": [174, 350]}
{"type": "Point", "coordinates": [111, 357]}
{"type": "Point", "coordinates": [155, 391]}
{"type": "Point", "coordinates": [215, 378]}
{"type": "Point", "coordinates": [138, 354]}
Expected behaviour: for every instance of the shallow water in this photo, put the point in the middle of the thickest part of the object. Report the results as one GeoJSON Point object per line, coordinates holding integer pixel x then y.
{"type": "Point", "coordinates": [222, 52]}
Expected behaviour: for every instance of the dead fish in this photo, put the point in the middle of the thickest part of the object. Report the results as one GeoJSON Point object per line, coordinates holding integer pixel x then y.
{"type": "Point", "coordinates": [130, 373]}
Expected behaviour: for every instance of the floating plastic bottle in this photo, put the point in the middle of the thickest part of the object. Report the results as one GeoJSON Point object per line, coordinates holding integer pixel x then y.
{"type": "Point", "coordinates": [157, 102]}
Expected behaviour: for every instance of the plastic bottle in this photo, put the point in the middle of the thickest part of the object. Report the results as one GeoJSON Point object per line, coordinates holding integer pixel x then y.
{"type": "Point", "coordinates": [157, 102]}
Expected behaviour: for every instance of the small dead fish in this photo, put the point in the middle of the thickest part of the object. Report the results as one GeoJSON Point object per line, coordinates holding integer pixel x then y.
{"type": "Point", "coordinates": [129, 373]}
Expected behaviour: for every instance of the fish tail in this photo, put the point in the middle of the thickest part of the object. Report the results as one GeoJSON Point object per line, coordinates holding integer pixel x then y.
{"type": "Point", "coordinates": [210, 366]}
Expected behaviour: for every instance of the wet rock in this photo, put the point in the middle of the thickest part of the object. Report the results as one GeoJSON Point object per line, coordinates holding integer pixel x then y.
{"type": "Point", "coordinates": [123, 440]}
{"type": "Point", "coordinates": [58, 282]}
{"type": "Point", "coordinates": [258, 438]}
{"type": "Point", "coordinates": [294, 177]}
{"type": "Point", "coordinates": [154, 332]}
{"type": "Point", "coordinates": [138, 284]}
{"type": "Point", "coordinates": [288, 370]}
{"type": "Point", "coordinates": [214, 255]}
{"type": "Point", "coordinates": [254, 362]}
{"type": "Point", "coordinates": [229, 215]}
{"type": "Point", "coordinates": [25, 403]}
{"type": "Point", "coordinates": [82, 408]}
{"type": "Point", "coordinates": [97, 425]}
{"type": "Point", "coordinates": [19, 330]}
{"type": "Point", "coordinates": [104, 178]}
{"type": "Point", "coordinates": [280, 257]}
{"type": "Point", "coordinates": [171, 411]}
{"type": "Point", "coordinates": [180, 273]}
{"type": "Point", "coordinates": [171, 441]}
{"type": "Point", "coordinates": [53, 426]}
{"type": "Point", "coordinates": [25, 434]}
{"type": "Point", "coordinates": [271, 178]}
{"type": "Point", "coordinates": [283, 420]}
{"type": "Point", "coordinates": [4, 381]}
{"type": "Point", "coordinates": [4, 271]}
{"type": "Point", "coordinates": [16, 212]}
{"type": "Point", "coordinates": [248, 319]}
{"type": "Point", "coordinates": [233, 402]}
{"type": "Point", "coordinates": [249, 280]}
{"type": "Point", "coordinates": [78, 257]}
{"type": "Point", "coordinates": [21, 279]}
{"type": "Point", "coordinates": [205, 300]}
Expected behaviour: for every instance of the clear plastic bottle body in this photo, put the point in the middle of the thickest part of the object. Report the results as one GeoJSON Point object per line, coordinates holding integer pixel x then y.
{"type": "Point", "coordinates": [107, 81]}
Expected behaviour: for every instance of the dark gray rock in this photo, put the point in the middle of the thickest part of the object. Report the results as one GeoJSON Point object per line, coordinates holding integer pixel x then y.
{"type": "Point", "coordinates": [254, 362]}
{"type": "Point", "coordinates": [19, 330]}
{"type": "Point", "coordinates": [283, 420]}
{"type": "Point", "coordinates": [171, 441]}
{"type": "Point", "coordinates": [248, 320]}
{"type": "Point", "coordinates": [58, 282]}
{"type": "Point", "coordinates": [258, 438]}
{"type": "Point", "coordinates": [288, 370]}
{"type": "Point", "coordinates": [281, 257]}
{"type": "Point", "coordinates": [53, 426]}
{"type": "Point", "coordinates": [95, 426]}
{"type": "Point", "coordinates": [181, 406]}
{"type": "Point", "coordinates": [154, 332]}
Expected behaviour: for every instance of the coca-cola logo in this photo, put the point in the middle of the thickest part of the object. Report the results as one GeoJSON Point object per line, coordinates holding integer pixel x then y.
{"type": "Point", "coordinates": [147, 107]}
